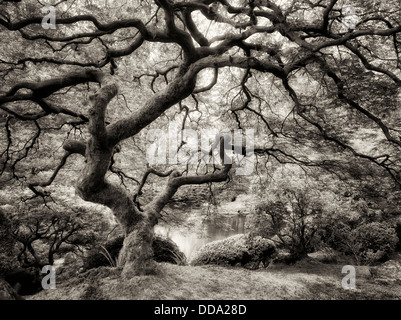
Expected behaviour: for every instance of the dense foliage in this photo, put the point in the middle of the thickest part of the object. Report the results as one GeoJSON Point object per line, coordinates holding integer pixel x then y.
{"type": "Point", "coordinates": [319, 82]}
{"type": "Point", "coordinates": [367, 243]}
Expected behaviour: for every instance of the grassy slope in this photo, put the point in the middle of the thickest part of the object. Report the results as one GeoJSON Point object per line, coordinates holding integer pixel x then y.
{"type": "Point", "coordinates": [305, 280]}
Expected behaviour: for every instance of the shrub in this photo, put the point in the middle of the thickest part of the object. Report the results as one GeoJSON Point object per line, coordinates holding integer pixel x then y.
{"type": "Point", "coordinates": [7, 292]}
{"type": "Point", "coordinates": [294, 218]}
{"type": "Point", "coordinates": [96, 256]}
{"type": "Point", "coordinates": [24, 281]}
{"type": "Point", "coordinates": [165, 250]}
{"type": "Point", "coordinates": [241, 249]}
{"type": "Point", "coordinates": [378, 241]}
{"type": "Point", "coordinates": [368, 243]}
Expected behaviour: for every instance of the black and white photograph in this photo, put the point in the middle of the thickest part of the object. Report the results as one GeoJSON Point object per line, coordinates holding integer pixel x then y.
{"type": "Point", "coordinates": [200, 156]}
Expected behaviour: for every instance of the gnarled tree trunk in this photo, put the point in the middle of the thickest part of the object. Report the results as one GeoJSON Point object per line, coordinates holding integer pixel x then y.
{"type": "Point", "coordinates": [136, 256]}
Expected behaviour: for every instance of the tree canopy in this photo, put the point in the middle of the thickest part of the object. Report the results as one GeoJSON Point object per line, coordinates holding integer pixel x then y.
{"type": "Point", "coordinates": [318, 81]}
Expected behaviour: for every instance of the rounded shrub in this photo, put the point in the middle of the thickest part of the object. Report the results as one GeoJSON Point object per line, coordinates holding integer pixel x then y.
{"type": "Point", "coordinates": [242, 250]}
{"type": "Point", "coordinates": [377, 241]}
{"type": "Point", "coordinates": [368, 243]}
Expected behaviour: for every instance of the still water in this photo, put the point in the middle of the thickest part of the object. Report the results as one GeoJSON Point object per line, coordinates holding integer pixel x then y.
{"type": "Point", "coordinates": [191, 237]}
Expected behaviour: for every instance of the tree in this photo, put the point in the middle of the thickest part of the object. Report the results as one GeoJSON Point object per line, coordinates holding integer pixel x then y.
{"type": "Point", "coordinates": [294, 219]}
{"type": "Point", "coordinates": [307, 74]}
{"type": "Point", "coordinates": [42, 234]}
{"type": "Point", "coordinates": [367, 243]}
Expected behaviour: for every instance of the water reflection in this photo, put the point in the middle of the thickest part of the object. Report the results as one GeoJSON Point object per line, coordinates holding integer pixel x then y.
{"type": "Point", "coordinates": [190, 239]}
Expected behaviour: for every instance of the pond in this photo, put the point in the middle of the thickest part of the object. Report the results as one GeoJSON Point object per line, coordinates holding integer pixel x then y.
{"type": "Point", "coordinates": [200, 230]}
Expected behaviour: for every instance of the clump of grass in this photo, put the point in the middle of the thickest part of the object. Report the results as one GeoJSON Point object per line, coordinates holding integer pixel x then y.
{"type": "Point", "coordinates": [107, 255]}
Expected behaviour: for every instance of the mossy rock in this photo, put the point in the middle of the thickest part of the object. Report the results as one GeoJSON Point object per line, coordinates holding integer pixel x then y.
{"type": "Point", "coordinates": [165, 250]}
{"type": "Point", "coordinates": [239, 250]}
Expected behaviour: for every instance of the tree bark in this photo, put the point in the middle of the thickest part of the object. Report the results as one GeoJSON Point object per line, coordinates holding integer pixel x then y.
{"type": "Point", "coordinates": [136, 255]}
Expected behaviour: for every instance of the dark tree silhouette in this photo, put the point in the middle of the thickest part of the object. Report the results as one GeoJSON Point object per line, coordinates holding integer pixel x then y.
{"type": "Point", "coordinates": [337, 79]}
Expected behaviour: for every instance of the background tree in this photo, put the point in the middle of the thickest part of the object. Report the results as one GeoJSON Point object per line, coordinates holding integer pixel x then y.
{"type": "Point", "coordinates": [44, 233]}
{"type": "Point", "coordinates": [292, 220]}
{"type": "Point", "coordinates": [320, 92]}
{"type": "Point", "coordinates": [367, 243]}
